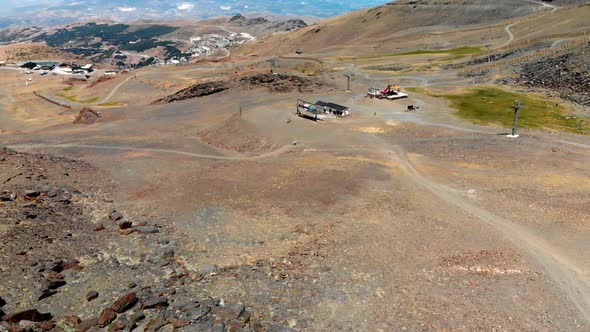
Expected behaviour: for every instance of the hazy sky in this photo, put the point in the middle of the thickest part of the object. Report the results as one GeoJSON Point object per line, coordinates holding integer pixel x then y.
{"type": "Point", "coordinates": [52, 12]}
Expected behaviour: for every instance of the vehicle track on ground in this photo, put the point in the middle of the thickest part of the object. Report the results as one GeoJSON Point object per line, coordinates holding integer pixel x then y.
{"type": "Point", "coordinates": [510, 35]}
{"type": "Point", "coordinates": [572, 279]}
{"type": "Point", "coordinates": [166, 151]}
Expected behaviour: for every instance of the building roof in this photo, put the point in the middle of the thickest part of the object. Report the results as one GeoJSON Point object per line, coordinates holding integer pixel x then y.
{"type": "Point", "coordinates": [332, 105]}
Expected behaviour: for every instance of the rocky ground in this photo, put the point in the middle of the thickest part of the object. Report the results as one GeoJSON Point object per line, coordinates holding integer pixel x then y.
{"type": "Point", "coordinates": [568, 75]}
{"type": "Point", "coordinates": [71, 262]}
{"type": "Point", "coordinates": [274, 83]}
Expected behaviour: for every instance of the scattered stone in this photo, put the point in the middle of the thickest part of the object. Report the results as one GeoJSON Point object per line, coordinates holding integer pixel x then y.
{"type": "Point", "coordinates": [106, 317]}
{"type": "Point", "coordinates": [87, 116]}
{"type": "Point", "coordinates": [72, 321]}
{"type": "Point", "coordinates": [236, 325]}
{"type": "Point", "coordinates": [55, 266]}
{"type": "Point", "coordinates": [228, 313]}
{"type": "Point", "coordinates": [31, 193]}
{"type": "Point", "coordinates": [46, 292]}
{"type": "Point", "coordinates": [115, 216]}
{"type": "Point", "coordinates": [87, 324]}
{"type": "Point", "coordinates": [132, 285]}
{"type": "Point", "coordinates": [219, 327]}
{"type": "Point", "coordinates": [146, 229]}
{"type": "Point", "coordinates": [136, 317]}
{"type": "Point", "coordinates": [91, 295]}
{"type": "Point", "coordinates": [119, 325]}
{"type": "Point", "coordinates": [125, 302]}
{"type": "Point", "coordinates": [155, 302]}
{"type": "Point", "coordinates": [98, 228]}
{"type": "Point", "coordinates": [31, 315]}
{"type": "Point", "coordinates": [178, 323]}
{"type": "Point", "coordinates": [2, 302]}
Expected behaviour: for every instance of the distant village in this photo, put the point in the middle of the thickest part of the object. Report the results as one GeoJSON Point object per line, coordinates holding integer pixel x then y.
{"type": "Point", "coordinates": [206, 44]}
{"type": "Point", "coordinates": [200, 46]}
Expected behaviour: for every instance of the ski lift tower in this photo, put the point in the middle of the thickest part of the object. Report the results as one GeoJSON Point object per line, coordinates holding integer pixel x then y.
{"type": "Point", "coordinates": [516, 108]}
{"type": "Point", "coordinates": [347, 83]}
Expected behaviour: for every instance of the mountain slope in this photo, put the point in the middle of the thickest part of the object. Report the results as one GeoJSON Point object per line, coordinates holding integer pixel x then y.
{"type": "Point", "coordinates": [366, 28]}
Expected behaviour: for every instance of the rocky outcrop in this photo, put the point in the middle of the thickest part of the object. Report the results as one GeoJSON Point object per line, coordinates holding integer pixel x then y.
{"type": "Point", "coordinates": [47, 224]}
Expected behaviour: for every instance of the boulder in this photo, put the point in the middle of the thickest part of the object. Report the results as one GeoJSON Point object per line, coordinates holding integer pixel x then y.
{"type": "Point", "coordinates": [115, 216]}
{"type": "Point", "coordinates": [106, 317]}
{"type": "Point", "coordinates": [91, 295]}
{"type": "Point", "coordinates": [31, 315]}
{"type": "Point", "coordinates": [125, 302]}
{"type": "Point", "coordinates": [155, 302]}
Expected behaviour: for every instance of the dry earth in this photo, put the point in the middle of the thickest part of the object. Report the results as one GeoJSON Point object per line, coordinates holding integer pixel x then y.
{"type": "Point", "coordinates": [383, 221]}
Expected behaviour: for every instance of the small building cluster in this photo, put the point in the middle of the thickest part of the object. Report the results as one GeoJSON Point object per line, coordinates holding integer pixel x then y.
{"type": "Point", "coordinates": [205, 45]}
{"type": "Point", "coordinates": [321, 109]}
{"type": "Point", "coordinates": [64, 68]}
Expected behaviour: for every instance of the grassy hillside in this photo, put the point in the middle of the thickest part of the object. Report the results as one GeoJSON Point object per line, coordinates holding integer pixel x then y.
{"type": "Point", "coordinates": [487, 106]}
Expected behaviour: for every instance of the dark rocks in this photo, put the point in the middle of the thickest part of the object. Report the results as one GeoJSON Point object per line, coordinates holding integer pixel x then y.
{"type": "Point", "coordinates": [46, 292]}
{"type": "Point", "coordinates": [566, 74]}
{"type": "Point", "coordinates": [87, 116]}
{"type": "Point", "coordinates": [106, 317]}
{"type": "Point", "coordinates": [31, 193]}
{"type": "Point", "coordinates": [155, 302]}
{"type": "Point", "coordinates": [91, 295]}
{"type": "Point", "coordinates": [98, 228]}
{"type": "Point", "coordinates": [31, 315]}
{"type": "Point", "coordinates": [55, 266]}
{"type": "Point", "coordinates": [146, 229]}
{"type": "Point", "coordinates": [115, 216]}
{"type": "Point", "coordinates": [87, 324]}
{"type": "Point", "coordinates": [274, 83]}
{"type": "Point", "coordinates": [120, 324]}
{"type": "Point", "coordinates": [195, 91]}
{"type": "Point", "coordinates": [125, 225]}
{"type": "Point", "coordinates": [52, 282]}
{"type": "Point", "coordinates": [136, 317]}
{"type": "Point", "coordinates": [229, 313]}
{"type": "Point", "coordinates": [2, 302]}
{"type": "Point", "coordinates": [125, 302]}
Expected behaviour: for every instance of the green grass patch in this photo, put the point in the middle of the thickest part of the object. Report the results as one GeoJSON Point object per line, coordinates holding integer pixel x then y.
{"type": "Point", "coordinates": [458, 51]}
{"type": "Point", "coordinates": [68, 88]}
{"type": "Point", "coordinates": [112, 104]}
{"type": "Point", "coordinates": [76, 99]}
{"type": "Point", "coordinates": [454, 54]}
{"type": "Point", "coordinates": [487, 106]}
{"type": "Point", "coordinates": [416, 89]}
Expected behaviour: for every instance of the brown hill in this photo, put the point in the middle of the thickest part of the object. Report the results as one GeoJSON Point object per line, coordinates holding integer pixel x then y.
{"type": "Point", "coordinates": [368, 29]}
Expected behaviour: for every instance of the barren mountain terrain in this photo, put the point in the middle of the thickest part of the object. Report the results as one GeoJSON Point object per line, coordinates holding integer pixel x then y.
{"type": "Point", "coordinates": [235, 193]}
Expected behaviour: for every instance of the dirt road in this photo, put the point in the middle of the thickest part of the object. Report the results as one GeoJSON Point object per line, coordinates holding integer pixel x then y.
{"type": "Point", "coordinates": [165, 151]}
{"type": "Point", "coordinates": [571, 278]}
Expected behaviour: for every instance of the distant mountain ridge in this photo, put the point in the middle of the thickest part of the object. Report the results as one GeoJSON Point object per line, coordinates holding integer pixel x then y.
{"type": "Point", "coordinates": [43, 14]}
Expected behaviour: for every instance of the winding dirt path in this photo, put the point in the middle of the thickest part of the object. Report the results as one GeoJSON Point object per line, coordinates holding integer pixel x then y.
{"type": "Point", "coordinates": [510, 34]}
{"type": "Point", "coordinates": [573, 280]}
{"type": "Point", "coordinates": [166, 151]}
{"type": "Point", "coordinates": [545, 5]}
